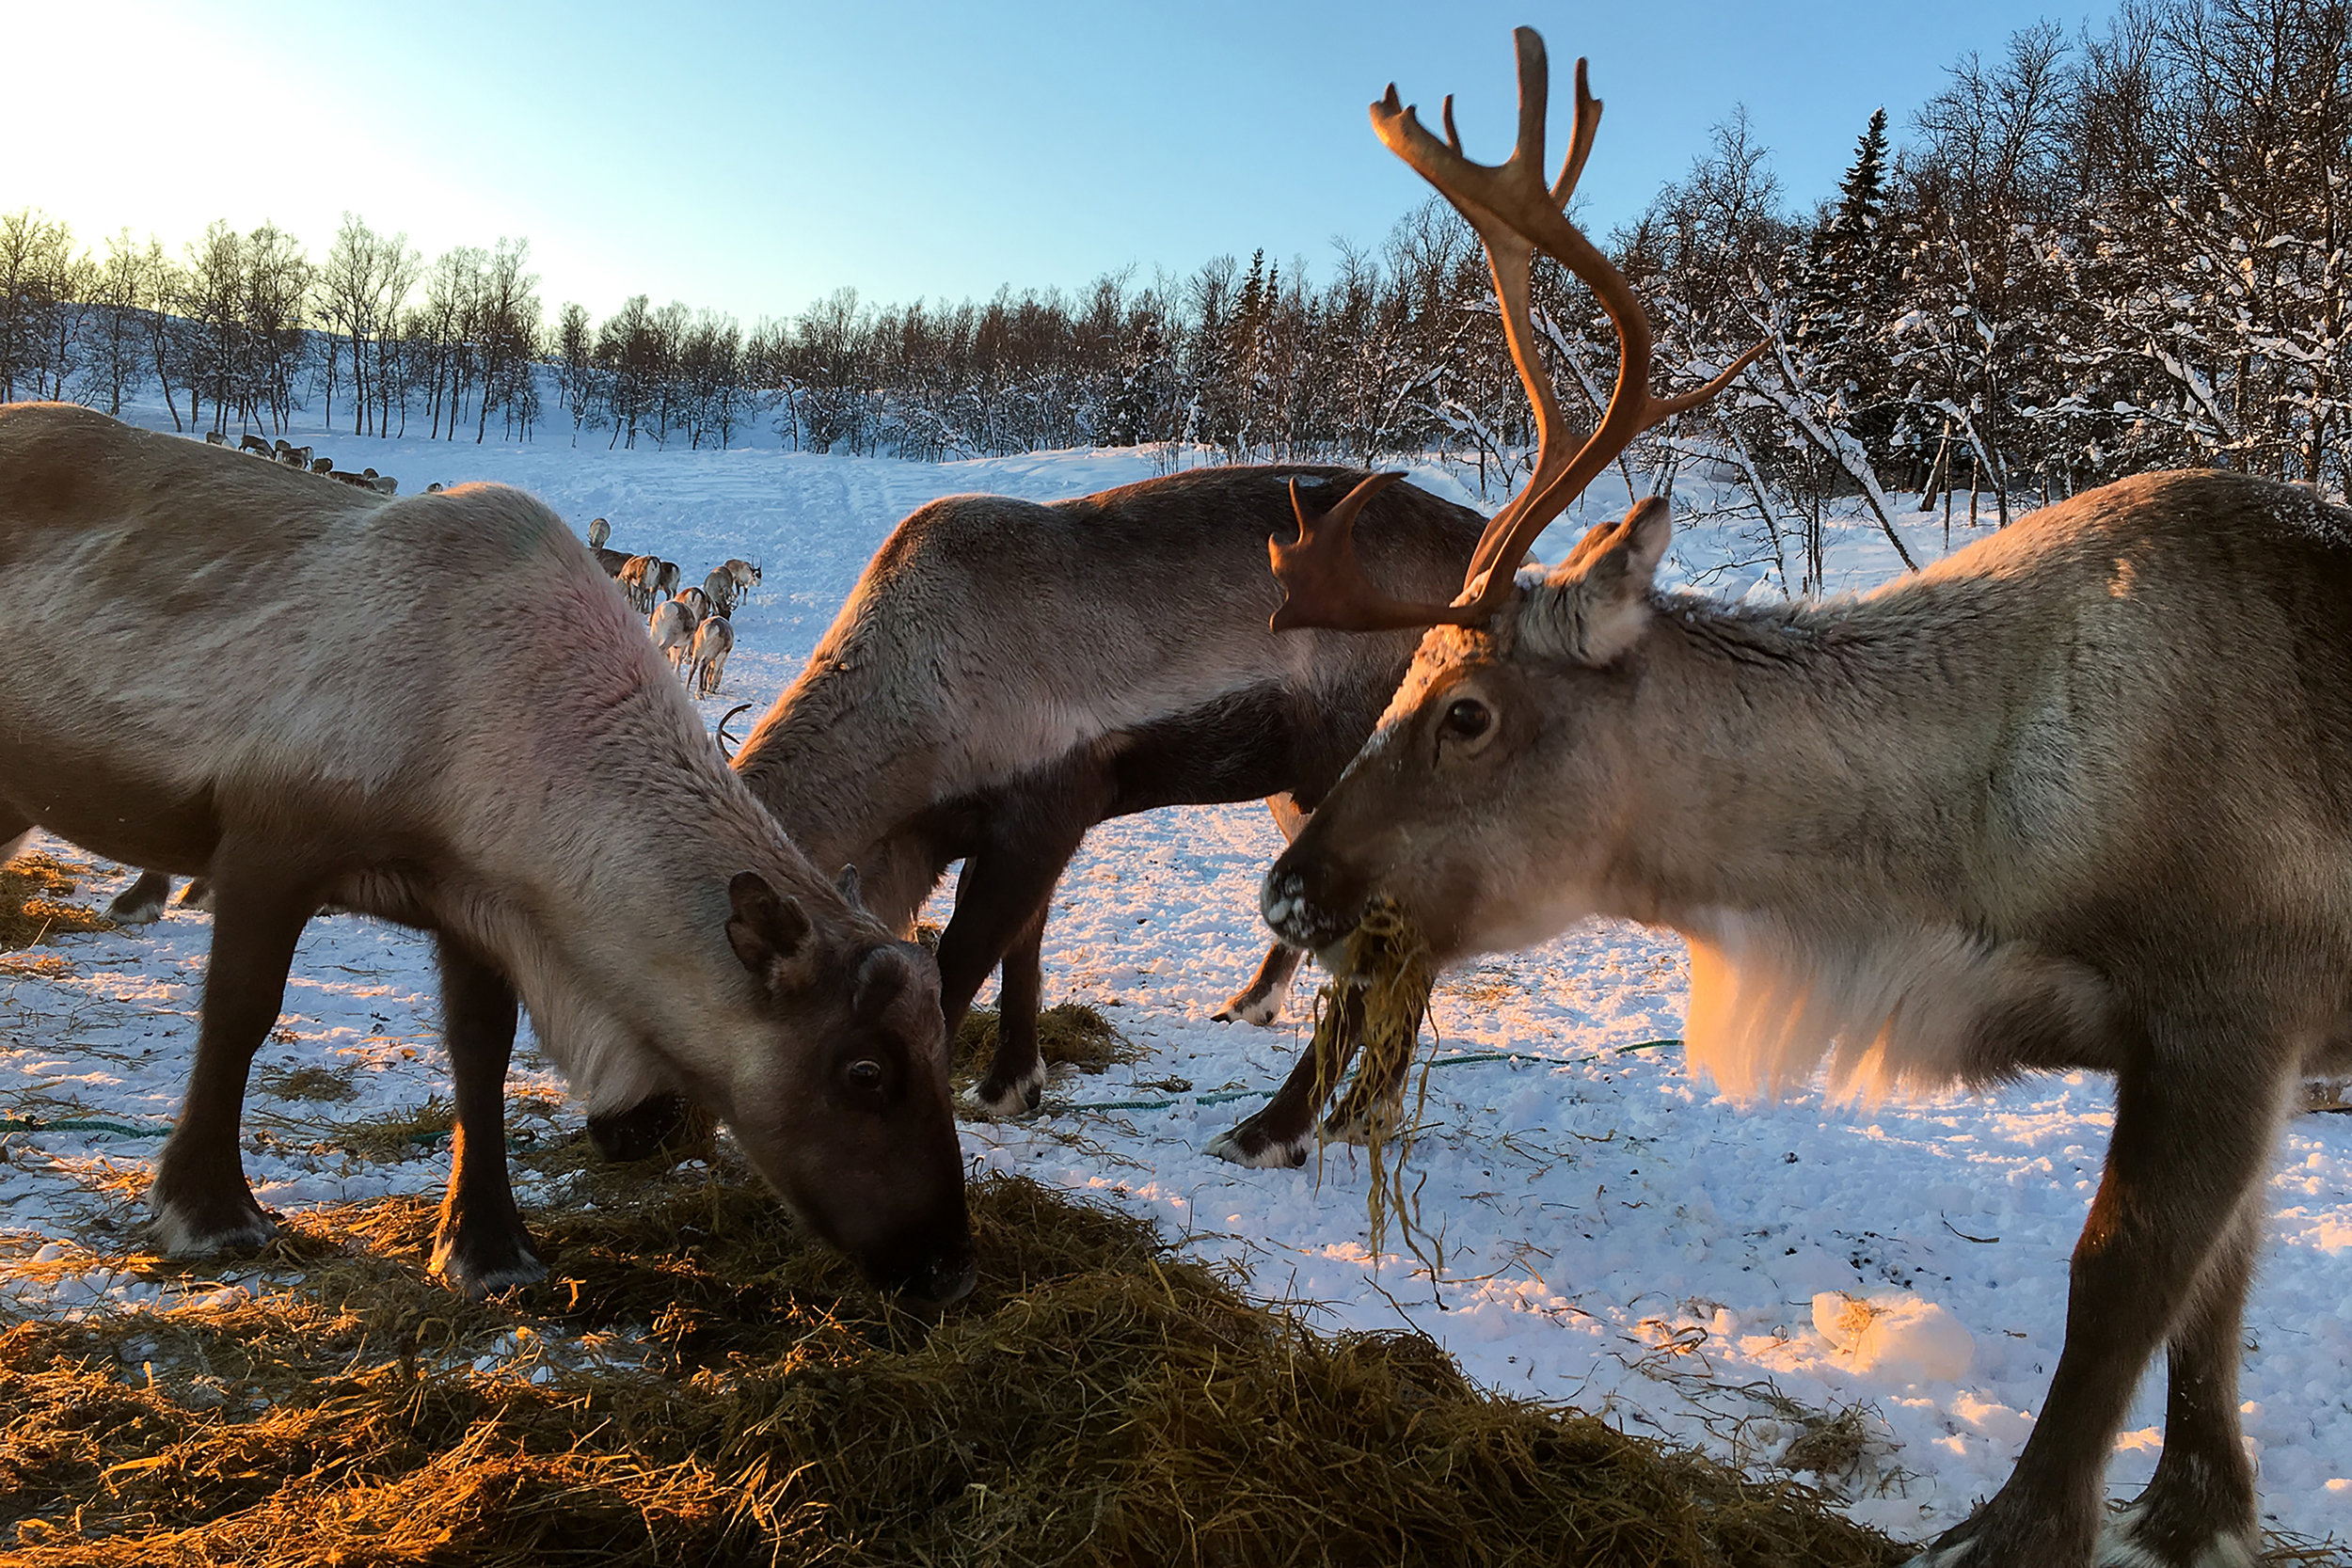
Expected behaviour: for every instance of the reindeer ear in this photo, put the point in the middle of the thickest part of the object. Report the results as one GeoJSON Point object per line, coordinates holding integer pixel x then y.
{"type": "Point", "coordinates": [851, 891]}
{"type": "Point", "coordinates": [1594, 603]}
{"type": "Point", "coordinates": [766, 932]}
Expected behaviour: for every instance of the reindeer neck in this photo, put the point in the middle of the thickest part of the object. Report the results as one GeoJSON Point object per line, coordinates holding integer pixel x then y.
{"type": "Point", "coordinates": [1798, 762]}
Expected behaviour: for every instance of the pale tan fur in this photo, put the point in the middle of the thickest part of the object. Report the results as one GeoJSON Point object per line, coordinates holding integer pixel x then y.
{"type": "Point", "coordinates": [214, 657]}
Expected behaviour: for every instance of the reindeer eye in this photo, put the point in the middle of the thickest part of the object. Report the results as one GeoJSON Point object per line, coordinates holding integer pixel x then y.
{"type": "Point", "coordinates": [864, 1073]}
{"type": "Point", "coordinates": [1467, 718]}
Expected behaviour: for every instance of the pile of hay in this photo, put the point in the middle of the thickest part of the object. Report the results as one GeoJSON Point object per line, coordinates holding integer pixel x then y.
{"type": "Point", "coordinates": [34, 894]}
{"type": "Point", "coordinates": [695, 1384]}
{"type": "Point", "coordinates": [1075, 1035]}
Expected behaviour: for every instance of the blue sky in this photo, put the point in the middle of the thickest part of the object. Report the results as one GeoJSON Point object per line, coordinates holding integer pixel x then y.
{"type": "Point", "coordinates": [755, 157]}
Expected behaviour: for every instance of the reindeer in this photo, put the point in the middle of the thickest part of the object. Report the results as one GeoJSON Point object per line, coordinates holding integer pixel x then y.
{"type": "Point", "coordinates": [697, 600]}
{"type": "Point", "coordinates": [2069, 799]}
{"type": "Point", "coordinates": [322, 464]}
{"type": "Point", "coordinates": [1005, 675]}
{"type": "Point", "coordinates": [384, 483]}
{"type": "Point", "coordinates": [719, 588]}
{"type": "Point", "coordinates": [636, 577]}
{"type": "Point", "coordinates": [215, 438]}
{"type": "Point", "coordinates": [257, 445]}
{"type": "Point", "coordinates": [612, 561]}
{"type": "Point", "coordinates": [714, 640]}
{"type": "Point", "coordinates": [665, 579]}
{"type": "Point", "coordinates": [329, 727]}
{"type": "Point", "coordinates": [295, 457]}
{"type": "Point", "coordinates": [744, 572]}
{"type": "Point", "coordinates": [600, 532]}
{"type": "Point", "coordinates": [358, 482]}
{"type": "Point", "coordinates": [672, 629]}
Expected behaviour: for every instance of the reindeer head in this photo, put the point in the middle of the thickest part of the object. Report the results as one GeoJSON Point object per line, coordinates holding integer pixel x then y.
{"type": "Point", "coordinates": [1434, 811]}
{"type": "Point", "coordinates": [842, 1100]}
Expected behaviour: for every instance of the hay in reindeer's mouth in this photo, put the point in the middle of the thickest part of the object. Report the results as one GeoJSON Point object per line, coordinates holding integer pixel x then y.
{"type": "Point", "coordinates": [1376, 1013]}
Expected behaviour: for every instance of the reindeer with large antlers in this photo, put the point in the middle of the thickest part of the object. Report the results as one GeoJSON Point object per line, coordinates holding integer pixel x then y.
{"type": "Point", "coordinates": [2069, 800]}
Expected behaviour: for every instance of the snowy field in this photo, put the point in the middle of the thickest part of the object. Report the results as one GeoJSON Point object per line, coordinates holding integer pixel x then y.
{"type": "Point", "coordinates": [1612, 1233]}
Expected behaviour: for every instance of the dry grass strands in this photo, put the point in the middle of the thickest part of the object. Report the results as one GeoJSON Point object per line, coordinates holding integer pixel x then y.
{"type": "Point", "coordinates": [34, 894]}
{"type": "Point", "coordinates": [695, 1384]}
{"type": "Point", "coordinates": [1069, 1033]}
{"type": "Point", "coordinates": [1375, 1015]}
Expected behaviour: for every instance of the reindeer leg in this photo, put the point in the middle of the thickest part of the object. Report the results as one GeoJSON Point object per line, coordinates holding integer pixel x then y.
{"type": "Point", "coordinates": [1282, 1129]}
{"type": "Point", "coordinates": [142, 901]}
{"type": "Point", "coordinates": [200, 1201]}
{"type": "Point", "coordinates": [2195, 1117]}
{"type": "Point", "coordinates": [480, 1245]}
{"type": "Point", "coordinates": [15, 829]}
{"type": "Point", "coordinates": [1008, 879]}
{"type": "Point", "coordinates": [2199, 1507]}
{"type": "Point", "coordinates": [1261, 1001]}
{"type": "Point", "coordinates": [1016, 1073]}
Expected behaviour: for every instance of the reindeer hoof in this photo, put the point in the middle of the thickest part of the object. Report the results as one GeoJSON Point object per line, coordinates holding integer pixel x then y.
{"type": "Point", "coordinates": [1248, 1007]}
{"type": "Point", "coordinates": [142, 901]}
{"type": "Point", "coordinates": [201, 1230]}
{"type": "Point", "coordinates": [483, 1267]}
{"type": "Point", "coordinates": [995, 1102]}
{"type": "Point", "coordinates": [1249, 1146]}
{"type": "Point", "coordinates": [2122, 1543]}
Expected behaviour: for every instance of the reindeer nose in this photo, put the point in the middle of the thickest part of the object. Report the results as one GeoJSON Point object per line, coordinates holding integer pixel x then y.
{"type": "Point", "coordinates": [1301, 907]}
{"type": "Point", "coordinates": [949, 1279]}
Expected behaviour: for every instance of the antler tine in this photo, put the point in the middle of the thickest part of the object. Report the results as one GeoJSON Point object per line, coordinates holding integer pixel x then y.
{"type": "Point", "coordinates": [1322, 586]}
{"type": "Point", "coordinates": [1452, 137]}
{"type": "Point", "coordinates": [1580, 139]}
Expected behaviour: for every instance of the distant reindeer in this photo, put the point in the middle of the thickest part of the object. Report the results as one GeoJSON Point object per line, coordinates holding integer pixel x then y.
{"type": "Point", "coordinates": [322, 464]}
{"type": "Point", "coordinates": [744, 572]}
{"type": "Point", "coordinates": [719, 588]}
{"type": "Point", "coordinates": [215, 438]}
{"type": "Point", "coordinates": [2071, 799]}
{"type": "Point", "coordinates": [714, 640]}
{"type": "Point", "coordinates": [636, 577]}
{"type": "Point", "coordinates": [1005, 675]}
{"type": "Point", "coordinates": [612, 561]}
{"type": "Point", "coordinates": [385, 484]}
{"type": "Point", "coordinates": [599, 533]}
{"type": "Point", "coordinates": [257, 445]}
{"type": "Point", "coordinates": [665, 579]}
{"type": "Point", "coordinates": [673, 629]}
{"type": "Point", "coordinates": [546, 802]}
{"type": "Point", "coordinates": [295, 457]}
{"type": "Point", "coordinates": [358, 482]}
{"type": "Point", "coordinates": [434, 488]}
{"type": "Point", "coordinates": [695, 600]}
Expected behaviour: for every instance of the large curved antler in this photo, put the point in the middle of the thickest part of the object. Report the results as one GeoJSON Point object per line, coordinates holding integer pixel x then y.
{"type": "Point", "coordinates": [1516, 213]}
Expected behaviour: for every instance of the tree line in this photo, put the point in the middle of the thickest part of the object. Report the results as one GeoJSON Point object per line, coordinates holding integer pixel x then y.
{"type": "Point", "coordinates": [2090, 256]}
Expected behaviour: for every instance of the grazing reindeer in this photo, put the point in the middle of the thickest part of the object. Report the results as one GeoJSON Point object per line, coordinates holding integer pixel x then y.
{"type": "Point", "coordinates": [695, 600]}
{"type": "Point", "coordinates": [322, 464]}
{"type": "Point", "coordinates": [600, 532]}
{"type": "Point", "coordinates": [672, 629]}
{"type": "Point", "coordinates": [384, 483]}
{"type": "Point", "coordinates": [1005, 675]}
{"type": "Point", "coordinates": [714, 640]}
{"type": "Point", "coordinates": [215, 438]}
{"type": "Point", "coordinates": [2071, 799]}
{"type": "Point", "coordinates": [665, 579]}
{"type": "Point", "coordinates": [612, 561]}
{"type": "Point", "coordinates": [295, 457]}
{"type": "Point", "coordinates": [636, 577]}
{"type": "Point", "coordinates": [720, 590]}
{"type": "Point", "coordinates": [257, 445]}
{"type": "Point", "coordinates": [327, 726]}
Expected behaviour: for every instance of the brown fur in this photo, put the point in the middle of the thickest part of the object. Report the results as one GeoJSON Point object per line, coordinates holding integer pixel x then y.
{"type": "Point", "coordinates": [281, 684]}
{"type": "Point", "coordinates": [1005, 675]}
{"type": "Point", "coordinates": [2072, 799]}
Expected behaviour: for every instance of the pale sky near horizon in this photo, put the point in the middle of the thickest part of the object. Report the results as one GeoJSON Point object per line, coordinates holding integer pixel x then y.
{"type": "Point", "coordinates": [755, 157]}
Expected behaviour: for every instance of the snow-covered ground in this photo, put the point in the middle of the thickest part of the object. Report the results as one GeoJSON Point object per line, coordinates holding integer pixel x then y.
{"type": "Point", "coordinates": [1613, 1233]}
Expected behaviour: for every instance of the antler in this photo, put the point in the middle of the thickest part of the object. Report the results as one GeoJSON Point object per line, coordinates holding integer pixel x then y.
{"type": "Point", "coordinates": [1517, 213]}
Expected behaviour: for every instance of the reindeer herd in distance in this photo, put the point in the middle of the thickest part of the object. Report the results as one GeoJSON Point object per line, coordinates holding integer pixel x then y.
{"type": "Point", "coordinates": [691, 628]}
{"type": "Point", "coordinates": [2066, 800]}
